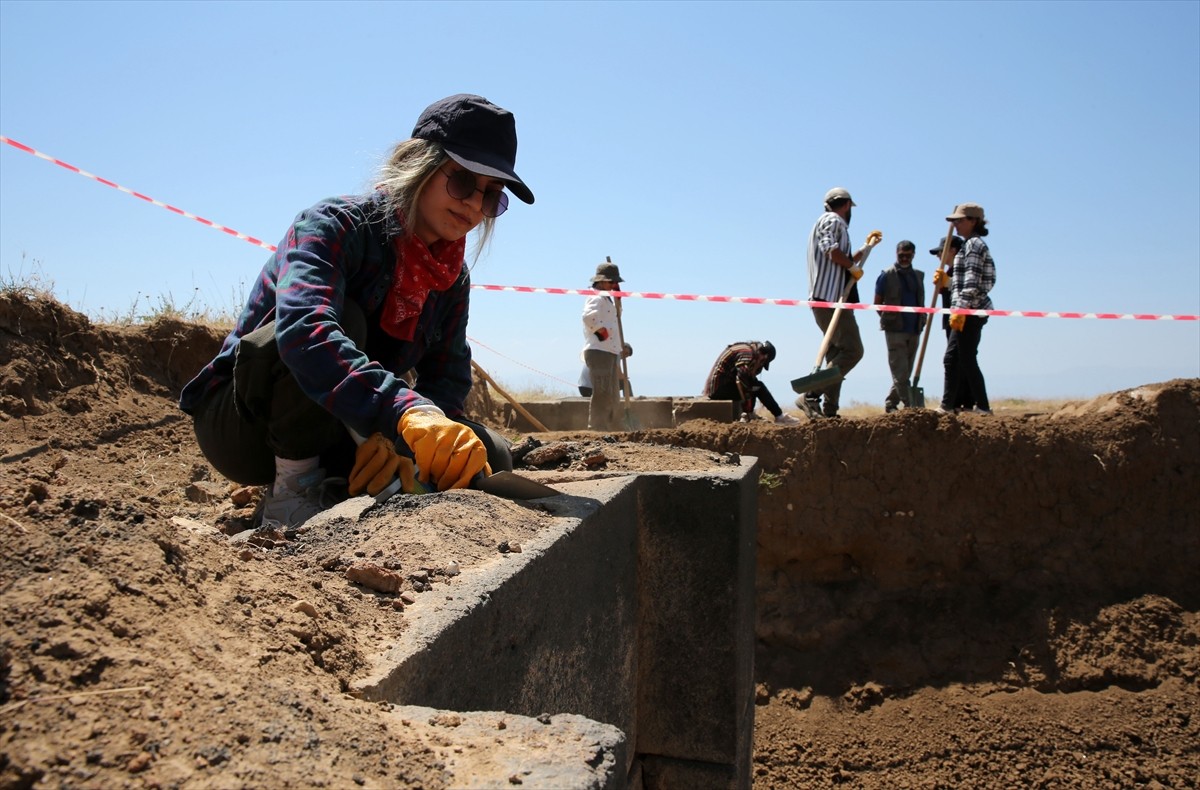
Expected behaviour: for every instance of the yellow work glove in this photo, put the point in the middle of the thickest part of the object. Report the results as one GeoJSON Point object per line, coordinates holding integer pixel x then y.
{"type": "Point", "coordinates": [958, 321]}
{"type": "Point", "coordinates": [940, 279]}
{"type": "Point", "coordinates": [376, 465]}
{"type": "Point", "coordinates": [874, 237]}
{"type": "Point", "coordinates": [447, 453]}
{"type": "Point", "coordinates": [855, 272]}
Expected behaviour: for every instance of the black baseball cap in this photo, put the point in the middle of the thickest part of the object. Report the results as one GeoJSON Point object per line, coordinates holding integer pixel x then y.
{"type": "Point", "coordinates": [956, 243]}
{"type": "Point", "coordinates": [478, 135]}
{"type": "Point", "coordinates": [768, 348]}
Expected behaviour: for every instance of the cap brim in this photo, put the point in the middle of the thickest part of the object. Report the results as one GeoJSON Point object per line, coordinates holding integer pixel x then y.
{"type": "Point", "coordinates": [486, 165]}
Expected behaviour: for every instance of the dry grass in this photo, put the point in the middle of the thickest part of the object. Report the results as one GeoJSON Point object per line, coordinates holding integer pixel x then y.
{"type": "Point", "coordinates": [1001, 406]}
{"type": "Point", "coordinates": [30, 282]}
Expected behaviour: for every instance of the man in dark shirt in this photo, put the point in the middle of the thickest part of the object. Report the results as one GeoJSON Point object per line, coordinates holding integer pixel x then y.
{"type": "Point", "coordinates": [901, 285]}
{"type": "Point", "coordinates": [734, 377]}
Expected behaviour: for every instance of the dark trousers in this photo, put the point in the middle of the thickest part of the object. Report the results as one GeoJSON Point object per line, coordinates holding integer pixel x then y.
{"type": "Point", "coordinates": [964, 380]}
{"type": "Point", "coordinates": [730, 391]}
{"type": "Point", "coordinates": [262, 413]}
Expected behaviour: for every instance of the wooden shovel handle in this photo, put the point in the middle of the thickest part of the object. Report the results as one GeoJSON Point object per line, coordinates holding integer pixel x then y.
{"type": "Point", "coordinates": [937, 290]}
{"type": "Point", "coordinates": [833, 322]}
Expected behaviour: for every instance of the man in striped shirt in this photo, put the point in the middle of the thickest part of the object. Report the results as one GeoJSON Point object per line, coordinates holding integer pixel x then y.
{"type": "Point", "coordinates": [832, 267]}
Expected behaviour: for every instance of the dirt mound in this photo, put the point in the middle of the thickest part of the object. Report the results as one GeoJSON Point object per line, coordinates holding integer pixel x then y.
{"type": "Point", "coordinates": [943, 601]}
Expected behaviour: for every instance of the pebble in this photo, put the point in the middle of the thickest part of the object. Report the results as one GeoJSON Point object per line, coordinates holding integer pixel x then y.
{"type": "Point", "coordinates": [139, 762]}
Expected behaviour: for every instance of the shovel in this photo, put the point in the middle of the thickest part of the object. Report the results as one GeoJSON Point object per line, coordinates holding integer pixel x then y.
{"type": "Point", "coordinates": [626, 387]}
{"type": "Point", "coordinates": [820, 378]}
{"type": "Point", "coordinates": [918, 393]}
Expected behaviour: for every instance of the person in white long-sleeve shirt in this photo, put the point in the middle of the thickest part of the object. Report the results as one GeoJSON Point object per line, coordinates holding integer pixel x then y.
{"type": "Point", "coordinates": [603, 349]}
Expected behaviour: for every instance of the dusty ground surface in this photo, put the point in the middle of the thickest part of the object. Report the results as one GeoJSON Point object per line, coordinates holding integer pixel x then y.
{"type": "Point", "coordinates": [142, 646]}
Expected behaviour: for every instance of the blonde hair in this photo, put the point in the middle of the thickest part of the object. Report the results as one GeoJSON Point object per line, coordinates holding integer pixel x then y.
{"type": "Point", "coordinates": [404, 175]}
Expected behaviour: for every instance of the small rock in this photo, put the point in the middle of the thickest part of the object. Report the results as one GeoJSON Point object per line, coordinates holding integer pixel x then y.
{"type": "Point", "coordinates": [446, 720]}
{"type": "Point", "coordinates": [205, 492]}
{"type": "Point", "coordinates": [597, 458]}
{"type": "Point", "coordinates": [139, 762]}
{"type": "Point", "coordinates": [550, 453]}
{"type": "Point", "coordinates": [305, 607]}
{"type": "Point", "coordinates": [245, 496]}
{"type": "Point", "coordinates": [408, 598]}
{"type": "Point", "coordinates": [374, 577]}
{"type": "Point", "coordinates": [452, 569]}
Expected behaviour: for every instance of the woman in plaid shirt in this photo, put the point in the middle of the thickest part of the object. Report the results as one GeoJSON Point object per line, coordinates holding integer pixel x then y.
{"type": "Point", "coordinates": [974, 275]}
{"type": "Point", "coordinates": [358, 321]}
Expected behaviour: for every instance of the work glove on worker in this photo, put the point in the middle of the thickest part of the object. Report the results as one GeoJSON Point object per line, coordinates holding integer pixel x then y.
{"type": "Point", "coordinates": [874, 237]}
{"type": "Point", "coordinates": [377, 464]}
{"type": "Point", "coordinates": [856, 272]}
{"type": "Point", "coordinates": [448, 454]}
{"type": "Point", "coordinates": [601, 334]}
{"type": "Point", "coordinates": [958, 321]}
{"type": "Point", "coordinates": [940, 279]}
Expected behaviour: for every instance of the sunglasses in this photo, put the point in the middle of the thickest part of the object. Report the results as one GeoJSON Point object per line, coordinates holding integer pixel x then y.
{"type": "Point", "coordinates": [461, 185]}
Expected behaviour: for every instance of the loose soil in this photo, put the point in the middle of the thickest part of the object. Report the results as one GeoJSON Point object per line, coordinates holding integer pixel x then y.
{"type": "Point", "coordinates": [922, 621]}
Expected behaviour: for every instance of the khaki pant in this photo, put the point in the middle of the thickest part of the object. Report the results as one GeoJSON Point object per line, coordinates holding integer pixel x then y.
{"type": "Point", "coordinates": [902, 355]}
{"type": "Point", "coordinates": [845, 351]}
{"type": "Point", "coordinates": [602, 411]}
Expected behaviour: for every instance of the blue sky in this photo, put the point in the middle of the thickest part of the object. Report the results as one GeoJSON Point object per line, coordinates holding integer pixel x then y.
{"type": "Point", "coordinates": [691, 142]}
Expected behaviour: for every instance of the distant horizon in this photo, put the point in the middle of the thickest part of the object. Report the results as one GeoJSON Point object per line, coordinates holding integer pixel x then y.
{"type": "Point", "coordinates": [40, 286]}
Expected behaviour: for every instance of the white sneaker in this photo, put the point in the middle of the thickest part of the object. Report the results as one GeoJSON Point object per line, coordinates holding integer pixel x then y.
{"type": "Point", "coordinates": [303, 497]}
{"type": "Point", "coordinates": [811, 408]}
{"type": "Point", "coordinates": [786, 419]}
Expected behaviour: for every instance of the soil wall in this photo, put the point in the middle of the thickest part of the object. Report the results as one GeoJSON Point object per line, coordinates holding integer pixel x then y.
{"type": "Point", "coordinates": [918, 547]}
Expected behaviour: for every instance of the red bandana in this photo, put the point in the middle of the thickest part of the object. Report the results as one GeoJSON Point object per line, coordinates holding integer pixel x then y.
{"type": "Point", "coordinates": [419, 270]}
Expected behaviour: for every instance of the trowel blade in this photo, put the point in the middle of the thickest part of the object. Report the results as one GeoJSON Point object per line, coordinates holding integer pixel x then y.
{"type": "Point", "coordinates": [513, 486]}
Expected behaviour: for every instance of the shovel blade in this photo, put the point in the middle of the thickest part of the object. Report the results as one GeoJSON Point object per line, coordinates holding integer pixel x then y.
{"type": "Point", "coordinates": [816, 380]}
{"type": "Point", "coordinates": [918, 397]}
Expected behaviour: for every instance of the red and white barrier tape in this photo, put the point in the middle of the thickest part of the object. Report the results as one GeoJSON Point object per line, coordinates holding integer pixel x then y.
{"type": "Point", "coordinates": [757, 300]}
{"type": "Point", "coordinates": [848, 306]}
{"type": "Point", "coordinates": [138, 195]}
